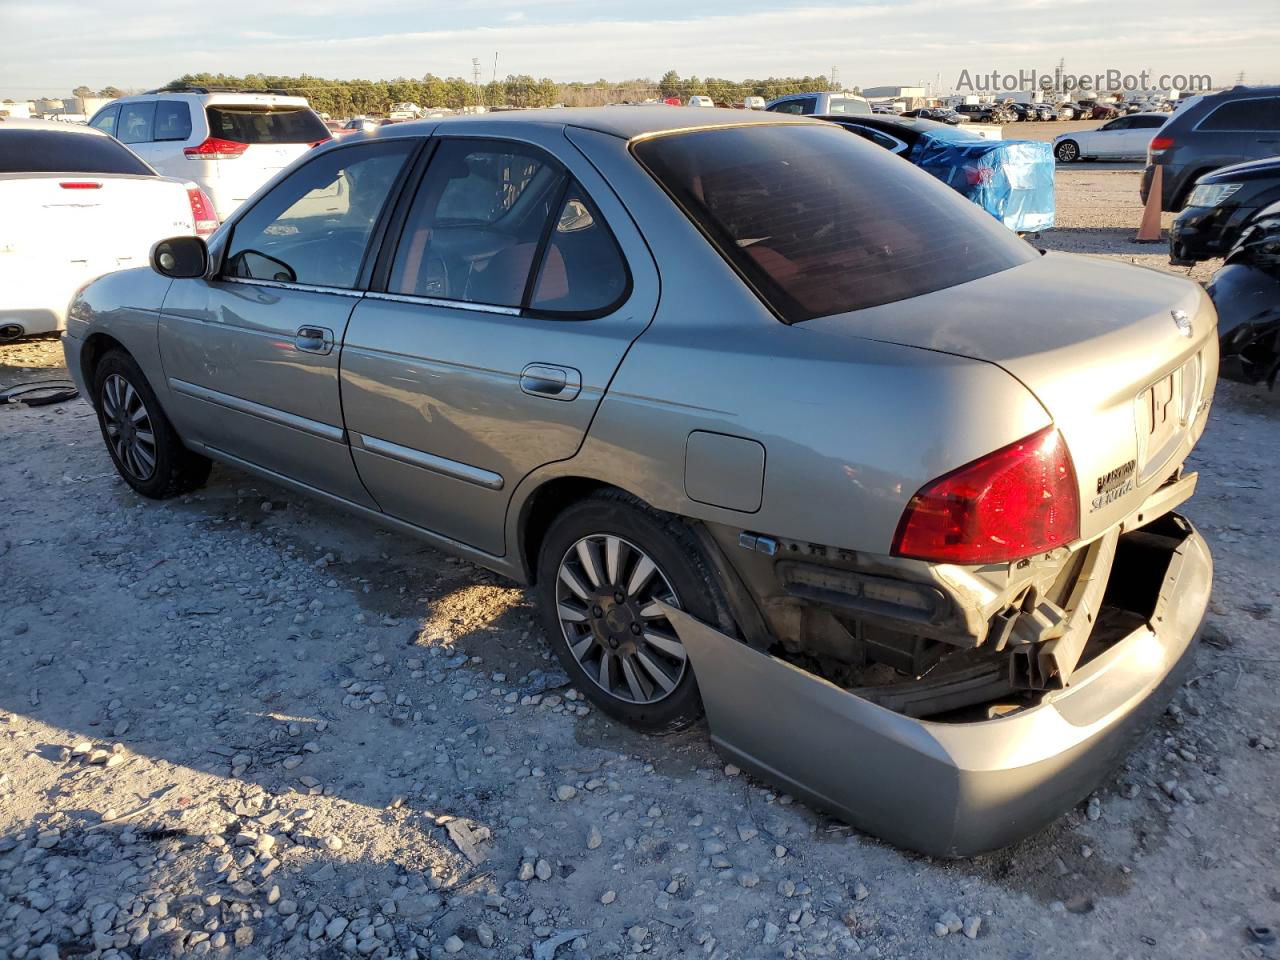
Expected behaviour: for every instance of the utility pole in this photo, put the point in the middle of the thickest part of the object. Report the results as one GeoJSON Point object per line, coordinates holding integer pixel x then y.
{"type": "Point", "coordinates": [835, 78]}
{"type": "Point", "coordinates": [475, 77]}
{"type": "Point", "coordinates": [1240, 78]}
{"type": "Point", "coordinates": [495, 66]}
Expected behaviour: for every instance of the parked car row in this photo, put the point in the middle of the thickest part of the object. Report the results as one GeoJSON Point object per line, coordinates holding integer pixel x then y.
{"type": "Point", "coordinates": [923, 531]}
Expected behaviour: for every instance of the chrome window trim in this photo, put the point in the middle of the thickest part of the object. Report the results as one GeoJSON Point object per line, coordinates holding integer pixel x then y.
{"type": "Point", "coordinates": [440, 302]}
{"type": "Point", "coordinates": [286, 285]}
{"type": "Point", "coordinates": [315, 428]}
{"type": "Point", "coordinates": [428, 461]}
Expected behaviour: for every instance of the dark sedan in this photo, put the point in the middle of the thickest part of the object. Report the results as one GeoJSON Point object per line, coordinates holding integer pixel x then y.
{"type": "Point", "coordinates": [1220, 204]}
{"type": "Point", "coordinates": [1246, 292]}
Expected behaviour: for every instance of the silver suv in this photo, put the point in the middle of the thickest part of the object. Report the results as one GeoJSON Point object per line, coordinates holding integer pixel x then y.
{"type": "Point", "coordinates": [774, 423]}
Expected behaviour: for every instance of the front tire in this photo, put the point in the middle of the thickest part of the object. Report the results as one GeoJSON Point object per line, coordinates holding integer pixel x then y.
{"type": "Point", "coordinates": [604, 564]}
{"type": "Point", "coordinates": [146, 450]}
{"type": "Point", "coordinates": [1068, 151]}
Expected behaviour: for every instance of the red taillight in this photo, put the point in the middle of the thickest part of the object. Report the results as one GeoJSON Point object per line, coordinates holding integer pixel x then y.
{"type": "Point", "coordinates": [80, 185]}
{"type": "Point", "coordinates": [1016, 502]}
{"type": "Point", "coordinates": [1159, 145]}
{"type": "Point", "coordinates": [202, 212]}
{"type": "Point", "coordinates": [215, 149]}
{"type": "Point", "coordinates": [316, 143]}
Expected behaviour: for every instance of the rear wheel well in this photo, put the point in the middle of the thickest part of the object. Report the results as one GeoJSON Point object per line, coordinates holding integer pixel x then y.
{"type": "Point", "coordinates": [95, 347]}
{"type": "Point", "coordinates": [546, 503]}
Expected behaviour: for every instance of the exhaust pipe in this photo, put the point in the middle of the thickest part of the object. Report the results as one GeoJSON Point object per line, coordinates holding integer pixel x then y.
{"type": "Point", "coordinates": [11, 331]}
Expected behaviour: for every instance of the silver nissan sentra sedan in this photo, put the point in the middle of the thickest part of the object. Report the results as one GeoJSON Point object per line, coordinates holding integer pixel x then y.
{"type": "Point", "coordinates": [780, 429]}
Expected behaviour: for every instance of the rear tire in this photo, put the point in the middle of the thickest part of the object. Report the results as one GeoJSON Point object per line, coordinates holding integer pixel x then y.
{"type": "Point", "coordinates": [604, 626]}
{"type": "Point", "coordinates": [146, 450]}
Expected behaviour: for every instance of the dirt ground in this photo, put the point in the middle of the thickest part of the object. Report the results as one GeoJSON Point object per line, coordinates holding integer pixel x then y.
{"type": "Point", "coordinates": [242, 722]}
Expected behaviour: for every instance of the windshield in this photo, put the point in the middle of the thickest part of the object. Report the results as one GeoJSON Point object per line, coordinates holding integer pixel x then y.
{"type": "Point", "coordinates": [265, 124]}
{"type": "Point", "coordinates": [53, 151]}
{"type": "Point", "coordinates": [819, 222]}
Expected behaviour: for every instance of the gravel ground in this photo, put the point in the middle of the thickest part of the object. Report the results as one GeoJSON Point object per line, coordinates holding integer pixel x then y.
{"type": "Point", "coordinates": [241, 722]}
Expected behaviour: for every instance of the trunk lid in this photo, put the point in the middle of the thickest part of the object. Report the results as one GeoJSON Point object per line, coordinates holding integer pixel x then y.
{"type": "Point", "coordinates": [89, 224]}
{"type": "Point", "coordinates": [1100, 344]}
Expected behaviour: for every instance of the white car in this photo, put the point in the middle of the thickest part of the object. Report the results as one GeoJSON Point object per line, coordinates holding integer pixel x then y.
{"type": "Point", "coordinates": [700, 101]}
{"type": "Point", "coordinates": [76, 204]}
{"type": "Point", "coordinates": [228, 143]}
{"type": "Point", "coordinates": [1124, 138]}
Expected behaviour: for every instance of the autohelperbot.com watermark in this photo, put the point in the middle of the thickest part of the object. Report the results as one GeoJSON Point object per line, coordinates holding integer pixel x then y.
{"type": "Point", "coordinates": [1059, 81]}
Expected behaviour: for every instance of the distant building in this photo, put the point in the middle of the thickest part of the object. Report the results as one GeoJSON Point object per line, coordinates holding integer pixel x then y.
{"type": "Point", "coordinates": [12, 108]}
{"type": "Point", "coordinates": [894, 93]}
{"type": "Point", "coordinates": [86, 106]}
{"type": "Point", "coordinates": [49, 105]}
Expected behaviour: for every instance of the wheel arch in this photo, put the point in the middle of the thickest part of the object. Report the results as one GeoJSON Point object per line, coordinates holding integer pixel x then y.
{"type": "Point", "coordinates": [541, 506]}
{"type": "Point", "coordinates": [96, 346]}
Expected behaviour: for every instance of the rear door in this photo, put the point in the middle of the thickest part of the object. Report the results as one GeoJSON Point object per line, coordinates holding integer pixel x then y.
{"type": "Point", "coordinates": [515, 289]}
{"type": "Point", "coordinates": [251, 355]}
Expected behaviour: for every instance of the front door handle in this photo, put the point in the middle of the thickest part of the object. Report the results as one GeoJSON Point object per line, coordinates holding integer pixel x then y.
{"type": "Point", "coordinates": [314, 340]}
{"type": "Point", "coordinates": [550, 381]}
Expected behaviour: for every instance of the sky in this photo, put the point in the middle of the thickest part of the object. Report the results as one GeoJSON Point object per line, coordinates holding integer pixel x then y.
{"type": "Point", "coordinates": [50, 47]}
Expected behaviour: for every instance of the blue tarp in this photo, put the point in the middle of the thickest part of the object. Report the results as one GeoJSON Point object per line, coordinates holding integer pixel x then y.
{"type": "Point", "coordinates": [1011, 179]}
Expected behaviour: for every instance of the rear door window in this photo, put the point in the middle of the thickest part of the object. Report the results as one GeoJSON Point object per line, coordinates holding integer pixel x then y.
{"type": "Point", "coordinates": [106, 120]}
{"type": "Point", "coordinates": [1255, 114]}
{"type": "Point", "coordinates": [475, 225]}
{"type": "Point", "coordinates": [53, 151]}
{"type": "Point", "coordinates": [818, 222]}
{"type": "Point", "coordinates": [314, 226]}
{"type": "Point", "coordinates": [137, 120]}
{"type": "Point", "coordinates": [173, 120]}
{"type": "Point", "coordinates": [265, 124]}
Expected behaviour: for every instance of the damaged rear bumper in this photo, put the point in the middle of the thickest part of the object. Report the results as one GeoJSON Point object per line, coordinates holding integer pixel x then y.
{"type": "Point", "coordinates": [956, 789]}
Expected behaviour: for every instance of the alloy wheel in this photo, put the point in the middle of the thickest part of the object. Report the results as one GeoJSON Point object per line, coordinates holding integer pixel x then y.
{"type": "Point", "coordinates": [1067, 152]}
{"type": "Point", "coordinates": [607, 594]}
{"type": "Point", "coordinates": [129, 428]}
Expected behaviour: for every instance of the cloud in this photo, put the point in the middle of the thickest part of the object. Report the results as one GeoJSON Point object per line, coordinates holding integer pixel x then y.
{"type": "Point", "coordinates": [870, 43]}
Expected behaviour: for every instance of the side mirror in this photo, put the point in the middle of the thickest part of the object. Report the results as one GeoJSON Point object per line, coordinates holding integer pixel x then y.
{"type": "Point", "coordinates": [180, 258]}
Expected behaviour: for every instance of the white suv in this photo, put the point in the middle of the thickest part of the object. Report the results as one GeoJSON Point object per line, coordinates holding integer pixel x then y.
{"type": "Point", "coordinates": [228, 143]}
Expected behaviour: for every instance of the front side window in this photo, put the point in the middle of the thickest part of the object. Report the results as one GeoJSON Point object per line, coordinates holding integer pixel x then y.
{"type": "Point", "coordinates": [314, 226]}
{"type": "Point", "coordinates": [818, 222]}
{"type": "Point", "coordinates": [847, 105]}
{"type": "Point", "coordinates": [136, 122]}
{"type": "Point", "coordinates": [1247, 116]}
{"type": "Point", "coordinates": [173, 120]}
{"type": "Point", "coordinates": [474, 227]}
{"type": "Point", "coordinates": [106, 120]}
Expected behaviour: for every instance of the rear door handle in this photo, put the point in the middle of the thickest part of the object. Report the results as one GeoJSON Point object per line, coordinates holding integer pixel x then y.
{"type": "Point", "coordinates": [314, 340]}
{"type": "Point", "coordinates": [550, 381]}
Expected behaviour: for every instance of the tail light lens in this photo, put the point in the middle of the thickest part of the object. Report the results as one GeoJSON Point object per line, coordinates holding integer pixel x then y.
{"type": "Point", "coordinates": [1016, 502]}
{"type": "Point", "coordinates": [1158, 146]}
{"type": "Point", "coordinates": [202, 212]}
{"type": "Point", "coordinates": [215, 149]}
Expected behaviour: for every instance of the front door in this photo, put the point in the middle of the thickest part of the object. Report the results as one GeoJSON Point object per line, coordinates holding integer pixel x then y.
{"type": "Point", "coordinates": [508, 306]}
{"type": "Point", "coordinates": [251, 356]}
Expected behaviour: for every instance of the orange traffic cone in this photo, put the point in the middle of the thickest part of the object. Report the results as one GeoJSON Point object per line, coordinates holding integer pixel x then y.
{"type": "Point", "coordinates": [1149, 231]}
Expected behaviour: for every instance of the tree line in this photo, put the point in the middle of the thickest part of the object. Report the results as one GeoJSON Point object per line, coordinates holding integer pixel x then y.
{"type": "Point", "coordinates": [345, 98]}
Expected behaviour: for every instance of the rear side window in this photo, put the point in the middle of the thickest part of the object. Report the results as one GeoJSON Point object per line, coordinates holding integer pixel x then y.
{"type": "Point", "coordinates": [265, 124]}
{"type": "Point", "coordinates": [52, 151]}
{"type": "Point", "coordinates": [819, 222]}
{"type": "Point", "coordinates": [1148, 123]}
{"type": "Point", "coordinates": [173, 120]}
{"type": "Point", "coordinates": [792, 106]}
{"type": "Point", "coordinates": [136, 122]}
{"type": "Point", "coordinates": [106, 120]}
{"type": "Point", "coordinates": [582, 271]}
{"type": "Point", "coordinates": [1254, 114]}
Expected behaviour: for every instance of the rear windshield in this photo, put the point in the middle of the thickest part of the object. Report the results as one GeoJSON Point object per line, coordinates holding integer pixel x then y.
{"type": "Point", "coordinates": [848, 105]}
{"type": "Point", "coordinates": [819, 222]}
{"type": "Point", "coordinates": [56, 151]}
{"type": "Point", "coordinates": [266, 124]}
